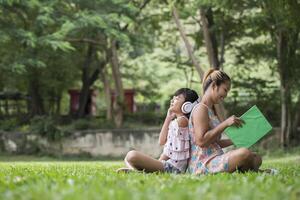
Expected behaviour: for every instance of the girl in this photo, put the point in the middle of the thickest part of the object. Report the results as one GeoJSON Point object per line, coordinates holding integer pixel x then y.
{"type": "Point", "coordinates": [174, 135]}
{"type": "Point", "coordinates": [207, 155]}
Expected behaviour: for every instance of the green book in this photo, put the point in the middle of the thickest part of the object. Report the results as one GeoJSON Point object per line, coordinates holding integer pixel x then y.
{"type": "Point", "coordinates": [255, 127]}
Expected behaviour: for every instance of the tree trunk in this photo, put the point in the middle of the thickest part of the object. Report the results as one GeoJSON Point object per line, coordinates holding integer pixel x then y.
{"type": "Point", "coordinates": [222, 52]}
{"type": "Point", "coordinates": [88, 80]}
{"type": "Point", "coordinates": [212, 50]}
{"type": "Point", "coordinates": [1, 106]}
{"type": "Point", "coordinates": [285, 94]}
{"type": "Point", "coordinates": [35, 104]}
{"type": "Point", "coordinates": [119, 93]}
{"type": "Point", "coordinates": [6, 107]}
{"type": "Point", "coordinates": [107, 92]}
{"type": "Point", "coordinates": [83, 99]}
{"type": "Point", "coordinates": [292, 64]}
{"type": "Point", "coordinates": [187, 43]}
{"type": "Point", "coordinates": [209, 37]}
{"type": "Point", "coordinates": [295, 137]}
{"type": "Point", "coordinates": [58, 104]}
{"type": "Point", "coordinates": [285, 117]}
{"type": "Point", "coordinates": [84, 92]}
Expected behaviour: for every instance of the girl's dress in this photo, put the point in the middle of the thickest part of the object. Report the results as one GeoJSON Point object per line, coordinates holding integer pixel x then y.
{"type": "Point", "coordinates": [177, 148]}
{"type": "Point", "coordinates": [205, 160]}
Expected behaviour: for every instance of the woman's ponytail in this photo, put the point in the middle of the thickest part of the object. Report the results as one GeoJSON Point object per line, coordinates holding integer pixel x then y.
{"type": "Point", "coordinates": [213, 75]}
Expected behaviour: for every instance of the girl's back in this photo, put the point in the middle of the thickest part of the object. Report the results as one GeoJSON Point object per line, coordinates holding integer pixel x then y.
{"type": "Point", "coordinates": [178, 144]}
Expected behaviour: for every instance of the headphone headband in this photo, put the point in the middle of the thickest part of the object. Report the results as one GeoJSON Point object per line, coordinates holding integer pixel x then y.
{"type": "Point", "coordinates": [188, 106]}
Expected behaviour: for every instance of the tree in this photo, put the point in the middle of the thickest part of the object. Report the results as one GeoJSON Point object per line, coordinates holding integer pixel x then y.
{"type": "Point", "coordinates": [284, 27]}
{"type": "Point", "coordinates": [29, 27]}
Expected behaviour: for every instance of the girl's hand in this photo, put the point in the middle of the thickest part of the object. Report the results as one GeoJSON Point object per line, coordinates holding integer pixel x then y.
{"type": "Point", "coordinates": [234, 121]}
{"type": "Point", "coordinates": [170, 115]}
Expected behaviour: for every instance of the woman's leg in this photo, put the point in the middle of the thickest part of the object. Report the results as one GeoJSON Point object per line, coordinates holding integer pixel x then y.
{"type": "Point", "coordinates": [257, 161]}
{"type": "Point", "coordinates": [139, 161]}
{"type": "Point", "coordinates": [244, 160]}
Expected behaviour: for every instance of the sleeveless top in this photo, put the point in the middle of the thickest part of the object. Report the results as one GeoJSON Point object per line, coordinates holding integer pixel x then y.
{"type": "Point", "coordinates": [178, 142]}
{"type": "Point", "coordinates": [200, 156]}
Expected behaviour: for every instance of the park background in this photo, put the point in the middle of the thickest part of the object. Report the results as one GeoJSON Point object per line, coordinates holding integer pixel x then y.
{"type": "Point", "coordinates": [80, 77]}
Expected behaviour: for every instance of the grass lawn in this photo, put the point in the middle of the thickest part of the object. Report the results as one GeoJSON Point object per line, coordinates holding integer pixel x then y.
{"type": "Point", "coordinates": [52, 179]}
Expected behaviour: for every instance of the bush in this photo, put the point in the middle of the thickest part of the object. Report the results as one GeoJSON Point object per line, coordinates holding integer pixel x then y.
{"type": "Point", "coordinates": [45, 126]}
{"type": "Point", "coordinates": [146, 118]}
{"type": "Point", "coordinates": [90, 123]}
{"type": "Point", "coordinates": [57, 127]}
{"type": "Point", "coordinates": [9, 124]}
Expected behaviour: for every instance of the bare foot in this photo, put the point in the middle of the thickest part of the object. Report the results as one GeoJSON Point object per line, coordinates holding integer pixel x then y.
{"type": "Point", "coordinates": [269, 171]}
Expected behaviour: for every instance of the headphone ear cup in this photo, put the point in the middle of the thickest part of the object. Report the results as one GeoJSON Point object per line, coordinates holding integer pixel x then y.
{"type": "Point", "coordinates": [186, 107]}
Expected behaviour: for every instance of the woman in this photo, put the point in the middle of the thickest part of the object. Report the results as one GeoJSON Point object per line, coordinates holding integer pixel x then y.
{"type": "Point", "coordinates": [207, 155]}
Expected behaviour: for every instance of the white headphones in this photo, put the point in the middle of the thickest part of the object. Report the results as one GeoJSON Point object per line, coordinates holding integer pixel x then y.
{"type": "Point", "coordinates": [188, 106]}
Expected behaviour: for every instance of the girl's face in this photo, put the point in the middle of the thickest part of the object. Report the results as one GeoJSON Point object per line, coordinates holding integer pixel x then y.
{"type": "Point", "coordinates": [220, 92]}
{"type": "Point", "coordinates": [176, 103]}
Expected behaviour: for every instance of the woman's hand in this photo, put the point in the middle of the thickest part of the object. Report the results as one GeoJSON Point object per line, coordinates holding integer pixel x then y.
{"type": "Point", "coordinates": [234, 121]}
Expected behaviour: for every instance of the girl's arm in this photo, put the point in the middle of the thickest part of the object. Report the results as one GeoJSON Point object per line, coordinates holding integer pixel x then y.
{"type": "Point", "coordinates": [163, 157]}
{"type": "Point", "coordinates": [182, 122]}
{"type": "Point", "coordinates": [164, 130]}
{"type": "Point", "coordinates": [204, 136]}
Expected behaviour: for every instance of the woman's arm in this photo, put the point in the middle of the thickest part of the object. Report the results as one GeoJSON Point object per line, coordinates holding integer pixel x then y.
{"type": "Point", "coordinates": [225, 143]}
{"type": "Point", "coordinates": [203, 135]}
{"type": "Point", "coordinates": [165, 128]}
{"type": "Point", "coordinates": [222, 142]}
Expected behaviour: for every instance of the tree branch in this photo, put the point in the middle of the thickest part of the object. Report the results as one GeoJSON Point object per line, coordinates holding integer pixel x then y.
{"type": "Point", "coordinates": [141, 8]}
{"type": "Point", "coordinates": [187, 43]}
{"type": "Point", "coordinates": [84, 40]}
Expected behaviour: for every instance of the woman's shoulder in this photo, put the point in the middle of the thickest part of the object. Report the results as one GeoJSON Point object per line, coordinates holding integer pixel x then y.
{"type": "Point", "coordinates": [201, 109]}
{"type": "Point", "coordinates": [200, 115]}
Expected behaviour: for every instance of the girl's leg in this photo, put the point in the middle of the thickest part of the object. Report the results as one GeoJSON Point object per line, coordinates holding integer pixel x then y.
{"type": "Point", "coordinates": [244, 160]}
{"type": "Point", "coordinates": [143, 162]}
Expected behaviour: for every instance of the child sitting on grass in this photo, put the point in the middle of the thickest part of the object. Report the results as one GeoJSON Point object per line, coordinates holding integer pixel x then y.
{"type": "Point", "coordinates": [174, 136]}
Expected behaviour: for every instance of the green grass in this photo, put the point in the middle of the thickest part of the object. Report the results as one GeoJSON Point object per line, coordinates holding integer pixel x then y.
{"type": "Point", "coordinates": [51, 179]}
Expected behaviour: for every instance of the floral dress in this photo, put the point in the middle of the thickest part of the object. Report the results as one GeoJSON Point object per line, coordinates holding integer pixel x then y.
{"type": "Point", "coordinates": [210, 159]}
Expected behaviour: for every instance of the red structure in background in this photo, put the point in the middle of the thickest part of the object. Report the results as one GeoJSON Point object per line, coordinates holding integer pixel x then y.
{"type": "Point", "coordinates": [90, 108]}
{"type": "Point", "coordinates": [129, 99]}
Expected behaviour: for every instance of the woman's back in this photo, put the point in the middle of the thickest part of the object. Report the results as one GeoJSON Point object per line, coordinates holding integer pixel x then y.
{"type": "Point", "coordinates": [200, 156]}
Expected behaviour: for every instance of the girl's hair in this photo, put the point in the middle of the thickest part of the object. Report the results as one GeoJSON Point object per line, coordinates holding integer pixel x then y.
{"type": "Point", "coordinates": [216, 76]}
{"type": "Point", "coordinates": [189, 95]}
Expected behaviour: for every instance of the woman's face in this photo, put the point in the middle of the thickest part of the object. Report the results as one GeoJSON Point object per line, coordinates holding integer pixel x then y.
{"type": "Point", "coordinates": [220, 92]}
{"type": "Point", "coordinates": [176, 103]}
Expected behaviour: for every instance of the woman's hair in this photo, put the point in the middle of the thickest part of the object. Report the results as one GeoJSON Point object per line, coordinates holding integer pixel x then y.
{"type": "Point", "coordinates": [216, 76]}
{"type": "Point", "coordinates": [189, 95]}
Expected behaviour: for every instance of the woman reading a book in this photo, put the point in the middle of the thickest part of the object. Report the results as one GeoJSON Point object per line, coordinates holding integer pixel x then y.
{"type": "Point", "coordinates": [205, 128]}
